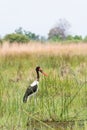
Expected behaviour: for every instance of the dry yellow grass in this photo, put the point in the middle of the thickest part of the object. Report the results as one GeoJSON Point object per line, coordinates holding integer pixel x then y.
{"type": "Point", "coordinates": [45, 49]}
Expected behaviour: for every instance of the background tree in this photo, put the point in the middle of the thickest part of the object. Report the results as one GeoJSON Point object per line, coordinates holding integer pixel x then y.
{"type": "Point", "coordinates": [19, 30]}
{"type": "Point", "coordinates": [60, 30]}
{"type": "Point", "coordinates": [31, 35]}
{"type": "Point", "coordinates": [28, 34]}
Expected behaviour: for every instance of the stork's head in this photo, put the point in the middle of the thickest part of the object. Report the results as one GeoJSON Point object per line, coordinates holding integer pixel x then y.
{"type": "Point", "coordinates": [39, 69]}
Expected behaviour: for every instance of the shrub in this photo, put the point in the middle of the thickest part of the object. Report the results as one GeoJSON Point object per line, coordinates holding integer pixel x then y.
{"type": "Point", "coordinates": [76, 37]}
{"type": "Point", "coordinates": [85, 39]}
{"type": "Point", "coordinates": [1, 41]}
{"type": "Point", "coordinates": [20, 38]}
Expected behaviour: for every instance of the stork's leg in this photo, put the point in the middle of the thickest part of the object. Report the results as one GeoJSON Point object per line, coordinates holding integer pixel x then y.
{"type": "Point", "coordinates": [34, 97]}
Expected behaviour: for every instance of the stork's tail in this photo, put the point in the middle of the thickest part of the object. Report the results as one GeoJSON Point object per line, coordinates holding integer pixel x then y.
{"type": "Point", "coordinates": [25, 99]}
{"type": "Point", "coordinates": [26, 95]}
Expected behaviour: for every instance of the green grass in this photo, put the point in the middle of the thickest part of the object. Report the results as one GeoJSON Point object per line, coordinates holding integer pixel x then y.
{"type": "Point", "coordinates": [62, 96]}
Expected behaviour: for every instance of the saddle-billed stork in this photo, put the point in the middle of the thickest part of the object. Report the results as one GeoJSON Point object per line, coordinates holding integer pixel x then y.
{"type": "Point", "coordinates": [34, 86]}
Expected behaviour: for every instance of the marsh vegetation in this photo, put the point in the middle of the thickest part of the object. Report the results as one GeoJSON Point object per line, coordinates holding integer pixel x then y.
{"type": "Point", "coordinates": [62, 96]}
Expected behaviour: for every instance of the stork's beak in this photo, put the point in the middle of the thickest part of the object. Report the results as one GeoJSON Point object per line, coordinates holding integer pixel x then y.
{"type": "Point", "coordinates": [43, 72]}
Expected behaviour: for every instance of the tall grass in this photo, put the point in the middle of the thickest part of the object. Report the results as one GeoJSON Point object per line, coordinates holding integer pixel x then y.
{"type": "Point", "coordinates": [45, 49]}
{"type": "Point", "coordinates": [61, 96]}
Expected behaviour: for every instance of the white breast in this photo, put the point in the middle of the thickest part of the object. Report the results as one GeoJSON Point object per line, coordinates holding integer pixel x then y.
{"type": "Point", "coordinates": [34, 83]}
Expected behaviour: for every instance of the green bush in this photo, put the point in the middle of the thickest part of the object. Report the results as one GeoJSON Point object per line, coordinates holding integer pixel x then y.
{"type": "Point", "coordinates": [55, 39]}
{"type": "Point", "coordinates": [1, 41]}
{"type": "Point", "coordinates": [85, 39]}
{"type": "Point", "coordinates": [20, 38]}
{"type": "Point", "coordinates": [69, 37]}
{"type": "Point", "coordinates": [77, 37]}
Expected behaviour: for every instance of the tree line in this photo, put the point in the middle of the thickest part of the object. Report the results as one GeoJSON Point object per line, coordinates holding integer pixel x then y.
{"type": "Point", "coordinates": [60, 32]}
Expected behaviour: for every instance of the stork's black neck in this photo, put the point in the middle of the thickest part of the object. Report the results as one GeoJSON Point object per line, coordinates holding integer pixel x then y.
{"type": "Point", "coordinates": [38, 75]}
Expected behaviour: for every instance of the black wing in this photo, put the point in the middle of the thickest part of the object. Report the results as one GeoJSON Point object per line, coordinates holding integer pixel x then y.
{"type": "Point", "coordinates": [29, 91]}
